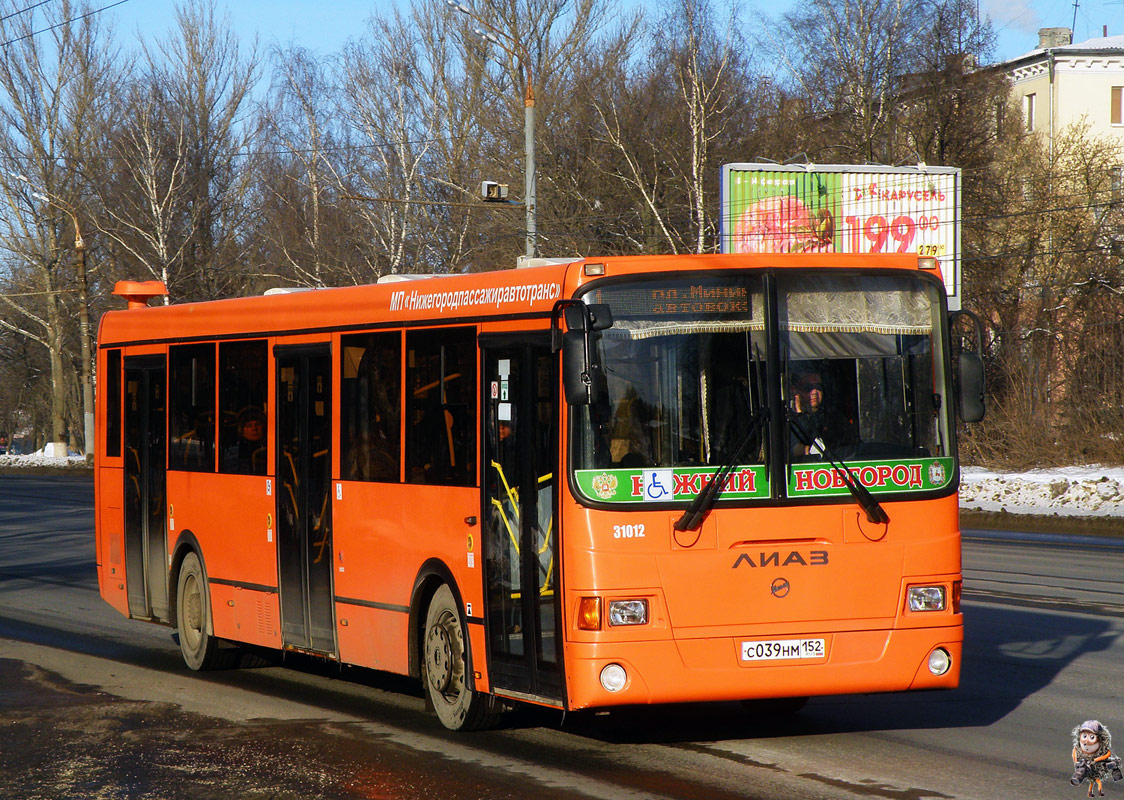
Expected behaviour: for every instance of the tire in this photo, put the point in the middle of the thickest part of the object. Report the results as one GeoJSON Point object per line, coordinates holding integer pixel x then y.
{"type": "Point", "coordinates": [458, 705]}
{"type": "Point", "coordinates": [201, 650]}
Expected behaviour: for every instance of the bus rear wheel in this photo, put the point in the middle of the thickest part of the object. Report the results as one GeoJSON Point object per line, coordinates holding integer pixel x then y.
{"type": "Point", "coordinates": [458, 705]}
{"type": "Point", "coordinates": [201, 650]}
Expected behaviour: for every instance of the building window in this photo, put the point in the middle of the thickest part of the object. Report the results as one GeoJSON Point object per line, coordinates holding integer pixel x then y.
{"type": "Point", "coordinates": [1028, 112]}
{"type": "Point", "coordinates": [1116, 116]}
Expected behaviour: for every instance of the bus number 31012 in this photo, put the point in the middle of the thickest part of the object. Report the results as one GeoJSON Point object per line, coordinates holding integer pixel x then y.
{"type": "Point", "coordinates": [628, 531]}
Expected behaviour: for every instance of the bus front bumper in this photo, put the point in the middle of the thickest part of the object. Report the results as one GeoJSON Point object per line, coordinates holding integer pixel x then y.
{"type": "Point", "coordinates": [716, 669]}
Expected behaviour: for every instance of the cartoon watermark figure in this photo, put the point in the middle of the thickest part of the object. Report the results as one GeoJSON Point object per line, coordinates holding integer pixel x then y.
{"type": "Point", "coordinates": [1093, 760]}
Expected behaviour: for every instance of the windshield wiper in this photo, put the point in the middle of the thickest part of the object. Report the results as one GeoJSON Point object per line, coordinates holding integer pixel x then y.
{"type": "Point", "coordinates": [874, 510]}
{"type": "Point", "coordinates": [695, 513]}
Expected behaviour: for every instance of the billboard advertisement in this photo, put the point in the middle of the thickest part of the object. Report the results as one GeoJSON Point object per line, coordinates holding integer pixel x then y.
{"type": "Point", "coordinates": [843, 208]}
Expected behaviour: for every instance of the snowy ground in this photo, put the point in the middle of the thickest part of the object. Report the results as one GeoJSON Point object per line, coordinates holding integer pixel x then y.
{"type": "Point", "coordinates": [40, 460]}
{"type": "Point", "coordinates": [1064, 491]}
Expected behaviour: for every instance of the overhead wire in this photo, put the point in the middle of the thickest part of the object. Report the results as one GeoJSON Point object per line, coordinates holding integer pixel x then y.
{"type": "Point", "coordinates": [60, 24]}
{"type": "Point", "coordinates": [31, 7]}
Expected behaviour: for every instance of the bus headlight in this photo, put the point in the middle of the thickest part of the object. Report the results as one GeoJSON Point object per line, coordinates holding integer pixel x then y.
{"type": "Point", "coordinates": [628, 612]}
{"type": "Point", "coordinates": [613, 677]}
{"type": "Point", "coordinates": [939, 661]}
{"type": "Point", "coordinates": [926, 598]}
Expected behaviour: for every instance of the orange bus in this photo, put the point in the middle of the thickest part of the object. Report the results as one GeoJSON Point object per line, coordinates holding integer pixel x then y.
{"type": "Point", "coordinates": [587, 484]}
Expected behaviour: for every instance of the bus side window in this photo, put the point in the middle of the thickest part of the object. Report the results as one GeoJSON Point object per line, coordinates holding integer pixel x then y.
{"type": "Point", "coordinates": [243, 428]}
{"type": "Point", "coordinates": [441, 407]}
{"type": "Point", "coordinates": [113, 404]}
{"type": "Point", "coordinates": [191, 413]}
{"type": "Point", "coordinates": [370, 407]}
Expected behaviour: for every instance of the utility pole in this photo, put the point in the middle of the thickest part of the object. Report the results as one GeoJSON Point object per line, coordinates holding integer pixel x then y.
{"type": "Point", "coordinates": [516, 50]}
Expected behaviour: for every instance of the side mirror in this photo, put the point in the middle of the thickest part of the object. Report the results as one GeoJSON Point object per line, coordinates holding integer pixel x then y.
{"type": "Point", "coordinates": [971, 383]}
{"type": "Point", "coordinates": [972, 386]}
{"type": "Point", "coordinates": [595, 317]}
{"type": "Point", "coordinates": [582, 377]}
{"type": "Point", "coordinates": [577, 377]}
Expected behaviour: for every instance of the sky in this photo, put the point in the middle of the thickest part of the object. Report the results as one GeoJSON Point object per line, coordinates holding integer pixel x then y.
{"type": "Point", "coordinates": [320, 26]}
{"type": "Point", "coordinates": [324, 26]}
{"type": "Point", "coordinates": [1017, 21]}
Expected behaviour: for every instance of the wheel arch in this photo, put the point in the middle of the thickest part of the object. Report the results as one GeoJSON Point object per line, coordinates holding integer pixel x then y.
{"type": "Point", "coordinates": [432, 574]}
{"type": "Point", "coordinates": [187, 543]}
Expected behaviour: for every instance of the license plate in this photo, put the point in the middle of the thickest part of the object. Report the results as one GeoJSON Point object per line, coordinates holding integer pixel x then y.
{"type": "Point", "coordinates": [776, 649]}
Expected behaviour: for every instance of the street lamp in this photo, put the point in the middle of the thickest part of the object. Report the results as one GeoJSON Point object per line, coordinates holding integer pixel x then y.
{"type": "Point", "coordinates": [514, 49]}
{"type": "Point", "coordinates": [83, 313]}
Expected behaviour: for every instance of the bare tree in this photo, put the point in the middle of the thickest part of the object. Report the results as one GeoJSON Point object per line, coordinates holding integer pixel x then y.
{"type": "Point", "coordinates": [141, 172]}
{"type": "Point", "coordinates": [846, 58]}
{"type": "Point", "coordinates": [49, 83]}
{"type": "Point", "coordinates": [668, 136]}
{"type": "Point", "coordinates": [203, 82]}
{"type": "Point", "coordinates": [382, 101]}
{"type": "Point", "coordinates": [300, 208]}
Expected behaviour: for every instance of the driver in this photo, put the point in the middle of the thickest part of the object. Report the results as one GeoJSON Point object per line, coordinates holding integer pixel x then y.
{"type": "Point", "coordinates": [819, 423]}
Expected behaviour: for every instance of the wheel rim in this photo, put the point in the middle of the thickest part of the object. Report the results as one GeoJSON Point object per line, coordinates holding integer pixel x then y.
{"type": "Point", "coordinates": [441, 655]}
{"type": "Point", "coordinates": [192, 612]}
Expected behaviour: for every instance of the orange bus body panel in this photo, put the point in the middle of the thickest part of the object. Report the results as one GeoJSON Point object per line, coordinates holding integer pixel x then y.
{"type": "Point", "coordinates": [229, 516]}
{"type": "Point", "coordinates": [846, 584]}
{"type": "Point", "coordinates": [856, 599]}
{"type": "Point", "coordinates": [383, 535]}
{"type": "Point", "coordinates": [110, 521]}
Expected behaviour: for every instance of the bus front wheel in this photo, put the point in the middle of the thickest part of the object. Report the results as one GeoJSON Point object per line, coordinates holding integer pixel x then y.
{"type": "Point", "coordinates": [201, 650]}
{"type": "Point", "coordinates": [458, 705]}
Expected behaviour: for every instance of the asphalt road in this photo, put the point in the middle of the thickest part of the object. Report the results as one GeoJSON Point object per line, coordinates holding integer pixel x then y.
{"type": "Point", "coordinates": [96, 706]}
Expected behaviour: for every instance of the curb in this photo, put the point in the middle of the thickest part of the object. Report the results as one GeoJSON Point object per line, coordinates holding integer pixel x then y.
{"type": "Point", "coordinates": [1033, 523]}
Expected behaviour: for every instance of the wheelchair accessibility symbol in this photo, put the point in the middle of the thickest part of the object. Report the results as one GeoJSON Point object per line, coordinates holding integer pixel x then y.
{"type": "Point", "coordinates": [658, 484]}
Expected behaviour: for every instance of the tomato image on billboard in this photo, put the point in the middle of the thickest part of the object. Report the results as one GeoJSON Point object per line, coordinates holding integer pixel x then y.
{"type": "Point", "coordinates": [784, 225]}
{"type": "Point", "coordinates": [784, 213]}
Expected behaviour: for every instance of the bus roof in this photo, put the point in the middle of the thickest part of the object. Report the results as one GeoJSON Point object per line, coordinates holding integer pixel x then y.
{"type": "Point", "coordinates": [529, 292]}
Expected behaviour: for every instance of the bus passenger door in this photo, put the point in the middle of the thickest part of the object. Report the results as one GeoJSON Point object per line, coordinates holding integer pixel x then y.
{"type": "Point", "coordinates": [146, 538]}
{"type": "Point", "coordinates": [520, 538]}
{"type": "Point", "coordinates": [304, 503]}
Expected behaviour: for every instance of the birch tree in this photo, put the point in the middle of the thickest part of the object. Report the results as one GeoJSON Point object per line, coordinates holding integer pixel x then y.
{"type": "Point", "coordinates": [387, 115]}
{"type": "Point", "coordinates": [667, 122]}
{"type": "Point", "coordinates": [203, 79]}
{"type": "Point", "coordinates": [52, 71]}
{"type": "Point", "coordinates": [302, 222]}
{"type": "Point", "coordinates": [142, 184]}
{"type": "Point", "coordinates": [846, 58]}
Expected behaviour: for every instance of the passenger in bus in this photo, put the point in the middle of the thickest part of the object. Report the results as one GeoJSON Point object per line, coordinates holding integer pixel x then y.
{"type": "Point", "coordinates": [822, 426]}
{"type": "Point", "coordinates": [247, 457]}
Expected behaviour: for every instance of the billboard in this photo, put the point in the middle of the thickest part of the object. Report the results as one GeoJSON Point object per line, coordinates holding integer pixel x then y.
{"type": "Point", "coordinates": [843, 208]}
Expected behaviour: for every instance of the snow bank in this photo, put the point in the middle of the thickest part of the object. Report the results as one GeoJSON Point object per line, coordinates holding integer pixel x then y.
{"type": "Point", "coordinates": [36, 460]}
{"type": "Point", "coordinates": [1066, 491]}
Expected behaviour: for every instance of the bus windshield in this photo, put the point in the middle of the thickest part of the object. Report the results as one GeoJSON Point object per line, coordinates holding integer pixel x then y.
{"type": "Point", "coordinates": [859, 364]}
{"type": "Point", "coordinates": [858, 353]}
